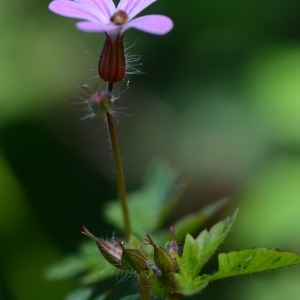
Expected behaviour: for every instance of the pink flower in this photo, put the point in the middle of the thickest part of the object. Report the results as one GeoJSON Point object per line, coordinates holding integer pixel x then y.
{"type": "Point", "coordinates": [104, 16]}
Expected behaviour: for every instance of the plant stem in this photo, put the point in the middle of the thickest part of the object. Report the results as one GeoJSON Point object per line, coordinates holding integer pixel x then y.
{"type": "Point", "coordinates": [118, 167]}
{"type": "Point", "coordinates": [144, 288]}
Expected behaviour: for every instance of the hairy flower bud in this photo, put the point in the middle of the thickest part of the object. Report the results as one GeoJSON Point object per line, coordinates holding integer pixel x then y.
{"type": "Point", "coordinates": [100, 102]}
{"type": "Point", "coordinates": [162, 258]}
{"type": "Point", "coordinates": [112, 252]}
{"type": "Point", "coordinates": [172, 246]}
{"type": "Point", "coordinates": [112, 66]}
{"type": "Point", "coordinates": [129, 259]}
{"type": "Point", "coordinates": [133, 259]}
{"type": "Point", "coordinates": [163, 280]}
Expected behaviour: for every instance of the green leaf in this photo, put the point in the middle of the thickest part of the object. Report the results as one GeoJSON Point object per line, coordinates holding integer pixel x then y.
{"type": "Point", "coordinates": [190, 286]}
{"type": "Point", "coordinates": [104, 271]}
{"type": "Point", "coordinates": [131, 297]}
{"type": "Point", "coordinates": [89, 262]}
{"type": "Point", "coordinates": [80, 294]}
{"type": "Point", "coordinates": [196, 252]}
{"type": "Point", "coordinates": [193, 222]}
{"type": "Point", "coordinates": [190, 257]}
{"type": "Point", "coordinates": [151, 204]}
{"type": "Point", "coordinates": [102, 296]}
{"type": "Point", "coordinates": [209, 241]}
{"type": "Point", "coordinates": [69, 267]}
{"type": "Point", "coordinates": [252, 261]}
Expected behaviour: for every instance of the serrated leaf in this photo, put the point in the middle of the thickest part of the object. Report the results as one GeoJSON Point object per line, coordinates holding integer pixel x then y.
{"type": "Point", "coordinates": [252, 261]}
{"type": "Point", "coordinates": [80, 294]}
{"type": "Point", "coordinates": [196, 252]}
{"type": "Point", "coordinates": [149, 205]}
{"type": "Point", "coordinates": [190, 257]}
{"type": "Point", "coordinates": [190, 286]}
{"type": "Point", "coordinates": [193, 222]}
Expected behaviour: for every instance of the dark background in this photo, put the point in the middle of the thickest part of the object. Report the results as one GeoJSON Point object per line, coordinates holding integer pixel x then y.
{"type": "Point", "coordinates": [220, 101]}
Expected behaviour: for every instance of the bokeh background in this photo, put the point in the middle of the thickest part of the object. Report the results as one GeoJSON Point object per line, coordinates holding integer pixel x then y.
{"type": "Point", "coordinates": [220, 101]}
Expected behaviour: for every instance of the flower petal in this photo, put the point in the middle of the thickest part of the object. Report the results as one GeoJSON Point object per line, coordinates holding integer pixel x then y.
{"type": "Point", "coordinates": [155, 24]}
{"type": "Point", "coordinates": [107, 7]}
{"type": "Point", "coordinates": [97, 27]}
{"type": "Point", "coordinates": [133, 7]}
{"type": "Point", "coordinates": [72, 9]}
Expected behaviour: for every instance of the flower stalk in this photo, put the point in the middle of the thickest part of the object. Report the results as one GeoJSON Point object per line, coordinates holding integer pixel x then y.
{"type": "Point", "coordinates": [114, 21]}
{"type": "Point", "coordinates": [119, 172]}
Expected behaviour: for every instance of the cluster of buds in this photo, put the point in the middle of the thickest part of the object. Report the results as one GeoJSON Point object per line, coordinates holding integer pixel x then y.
{"type": "Point", "coordinates": [160, 269]}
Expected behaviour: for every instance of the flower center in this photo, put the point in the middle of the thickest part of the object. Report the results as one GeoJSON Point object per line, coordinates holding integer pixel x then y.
{"type": "Point", "coordinates": [119, 17]}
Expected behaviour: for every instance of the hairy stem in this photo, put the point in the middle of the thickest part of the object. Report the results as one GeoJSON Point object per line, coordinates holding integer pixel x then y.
{"type": "Point", "coordinates": [119, 172]}
{"type": "Point", "coordinates": [145, 293]}
{"type": "Point", "coordinates": [118, 167]}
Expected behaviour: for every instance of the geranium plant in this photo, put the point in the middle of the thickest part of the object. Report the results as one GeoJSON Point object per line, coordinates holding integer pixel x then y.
{"type": "Point", "coordinates": [147, 251]}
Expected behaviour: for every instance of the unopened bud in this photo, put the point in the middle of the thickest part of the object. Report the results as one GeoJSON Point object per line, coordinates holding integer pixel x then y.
{"type": "Point", "coordinates": [111, 66]}
{"type": "Point", "coordinates": [129, 259]}
{"type": "Point", "coordinates": [162, 281]}
{"type": "Point", "coordinates": [162, 258]}
{"type": "Point", "coordinates": [112, 252]}
{"type": "Point", "coordinates": [100, 102]}
{"type": "Point", "coordinates": [133, 259]}
{"type": "Point", "coordinates": [172, 246]}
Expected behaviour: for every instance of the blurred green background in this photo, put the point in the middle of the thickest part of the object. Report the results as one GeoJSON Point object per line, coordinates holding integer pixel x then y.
{"type": "Point", "coordinates": [220, 101]}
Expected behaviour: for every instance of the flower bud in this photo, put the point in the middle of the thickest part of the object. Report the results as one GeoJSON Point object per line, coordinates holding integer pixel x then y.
{"type": "Point", "coordinates": [162, 281]}
{"type": "Point", "coordinates": [100, 102]}
{"type": "Point", "coordinates": [111, 66]}
{"type": "Point", "coordinates": [133, 259]}
{"type": "Point", "coordinates": [112, 252]}
{"type": "Point", "coordinates": [172, 246]}
{"type": "Point", "coordinates": [162, 258]}
{"type": "Point", "coordinates": [129, 259]}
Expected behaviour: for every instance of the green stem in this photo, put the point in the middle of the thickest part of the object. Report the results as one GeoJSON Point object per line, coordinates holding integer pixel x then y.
{"type": "Point", "coordinates": [119, 171]}
{"type": "Point", "coordinates": [144, 288]}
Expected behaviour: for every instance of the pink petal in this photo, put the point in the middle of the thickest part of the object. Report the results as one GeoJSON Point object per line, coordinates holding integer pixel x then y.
{"type": "Point", "coordinates": [155, 24]}
{"type": "Point", "coordinates": [90, 10]}
{"type": "Point", "coordinates": [72, 9]}
{"type": "Point", "coordinates": [133, 7]}
{"type": "Point", "coordinates": [107, 7]}
{"type": "Point", "coordinates": [97, 27]}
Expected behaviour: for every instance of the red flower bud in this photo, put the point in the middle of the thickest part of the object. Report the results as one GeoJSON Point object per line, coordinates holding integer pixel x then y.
{"type": "Point", "coordinates": [112, 252]}
{"type": "Point", "coordinates": [111, 66]}
{"type": "Point", "coordinates": [129, 259]}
